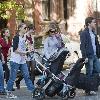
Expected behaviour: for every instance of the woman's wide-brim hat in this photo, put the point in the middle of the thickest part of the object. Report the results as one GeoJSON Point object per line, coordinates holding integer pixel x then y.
{"type": "Point", "coordinates": [53, 25]}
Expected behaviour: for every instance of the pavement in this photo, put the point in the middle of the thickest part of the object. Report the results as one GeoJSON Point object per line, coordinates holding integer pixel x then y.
{"type": "Point", "coordinates": [24, 94]}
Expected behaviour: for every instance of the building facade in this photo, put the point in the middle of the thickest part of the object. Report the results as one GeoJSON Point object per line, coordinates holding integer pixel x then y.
{"type": "Point", "coordinates": [69, 13]}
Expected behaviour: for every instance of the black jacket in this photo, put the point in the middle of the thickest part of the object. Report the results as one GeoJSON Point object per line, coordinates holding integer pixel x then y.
{"type": "Point", "coordinates": [86, 44]}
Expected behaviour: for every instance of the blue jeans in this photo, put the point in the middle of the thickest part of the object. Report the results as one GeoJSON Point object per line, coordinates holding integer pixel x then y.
{"type": "Point", "coordinates": [1, 77]}
{"type": "Point", "coordinates": [13, 73]}
{"type": "Point", "coordinates": [93, 66]}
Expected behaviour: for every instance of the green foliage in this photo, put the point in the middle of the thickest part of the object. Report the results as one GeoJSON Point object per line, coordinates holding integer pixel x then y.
{"type": "Point", "coordinates": [38, 42]}
{"type": "Point", "coordinates": [7, 7]}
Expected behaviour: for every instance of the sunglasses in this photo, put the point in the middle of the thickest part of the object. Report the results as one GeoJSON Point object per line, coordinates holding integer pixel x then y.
{"type": "Point", "coordinates": [52, 30]}
{"type": "Point", "coordinates": [25, 28]}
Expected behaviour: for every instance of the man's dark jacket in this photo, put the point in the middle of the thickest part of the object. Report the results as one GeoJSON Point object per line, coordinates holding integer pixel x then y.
{"type": "Point", "coordinates": [86, 44]}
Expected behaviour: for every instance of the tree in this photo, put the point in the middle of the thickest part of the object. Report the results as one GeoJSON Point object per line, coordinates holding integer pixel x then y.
{"type": "Point", "coordinates": [6, 7]}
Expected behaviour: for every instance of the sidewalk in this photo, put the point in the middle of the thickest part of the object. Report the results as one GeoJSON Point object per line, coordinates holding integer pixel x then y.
{"type": "Point", "coordinates": [24, 94]}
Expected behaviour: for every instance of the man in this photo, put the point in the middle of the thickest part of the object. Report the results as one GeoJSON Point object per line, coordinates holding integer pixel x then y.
{"type": "Point", "coordinates": [90, 46]}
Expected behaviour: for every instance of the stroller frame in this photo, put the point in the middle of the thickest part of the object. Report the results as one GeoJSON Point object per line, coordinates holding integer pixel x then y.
{"type": "Point", "coordinates": [67, 91]}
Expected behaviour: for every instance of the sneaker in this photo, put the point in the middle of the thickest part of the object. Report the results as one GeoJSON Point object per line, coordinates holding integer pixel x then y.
{"type": "Point", "coordinates": [93, 93]}
{"type": "Point", "coordinates": [10, 95]}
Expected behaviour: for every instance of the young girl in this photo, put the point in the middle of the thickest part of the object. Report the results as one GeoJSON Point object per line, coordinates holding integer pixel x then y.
{"type": "Point", "coordinates": [5, 44]}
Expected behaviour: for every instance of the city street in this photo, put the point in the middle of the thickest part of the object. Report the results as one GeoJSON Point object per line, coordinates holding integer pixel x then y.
{"type": "Point", "coordinates": [29, 27]}
{"type": "Point", "coordinates": [24, 94]}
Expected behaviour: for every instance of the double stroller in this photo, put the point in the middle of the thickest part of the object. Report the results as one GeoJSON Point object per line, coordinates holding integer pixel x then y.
{"type": "Point", "coordinates": [50, 84]}
{"type": "Point", "coordinates": [64, 85]}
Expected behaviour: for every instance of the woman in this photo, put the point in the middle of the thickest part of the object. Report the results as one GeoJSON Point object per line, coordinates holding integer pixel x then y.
{"type": "Point", "coordinates": [18, 61]}
{"type": "Point", "coordinates": [52, 45]}
{"type": "Point", "coordinates": [5, 44]}
{"type": "Point", "coordinates": [30, 56]}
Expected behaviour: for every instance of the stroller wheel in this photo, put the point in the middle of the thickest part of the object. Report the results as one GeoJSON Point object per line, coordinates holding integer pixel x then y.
{"type": "Point", "coordinates": [71, 94]}
{"type": "Point", "coordinates": [63, 95]}
{"type": "Point", "coordinates": [65, 98]}
{"type": "Point", "coordinates": [39, 93]}
{"type": "Point", "coordinates": [50, 91]}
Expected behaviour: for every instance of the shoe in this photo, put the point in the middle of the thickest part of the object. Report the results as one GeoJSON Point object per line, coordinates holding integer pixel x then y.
{"type": "Point", "coordinates": [10, 95]}
{"type": "Point", "coordinates": [17, 85]}
{"type": "Point", "coordinates": [3, 93]}
{"type": "Point", "coordinates": [13, 89]}
{"type": "Point", "coordinates": [91, 93]}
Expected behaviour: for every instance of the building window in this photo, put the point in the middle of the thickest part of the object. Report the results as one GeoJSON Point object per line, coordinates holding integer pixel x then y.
{"type": "Point", "coordinates": [46, 9]}
{"type": "Point", "coordinates": [65, 8]}
{"type": "Point", "coordinates": [96, 7]}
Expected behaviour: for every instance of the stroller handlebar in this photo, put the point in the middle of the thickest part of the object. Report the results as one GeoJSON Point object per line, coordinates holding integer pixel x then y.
{"type": "Point", "coordinates": [41, 56]}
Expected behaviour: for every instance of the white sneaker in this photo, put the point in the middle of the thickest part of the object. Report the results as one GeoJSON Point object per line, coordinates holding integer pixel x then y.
{"type": "Point", "coordinates": [10, 95]}
{"type": "Point", "coordinates": [93, 93]}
